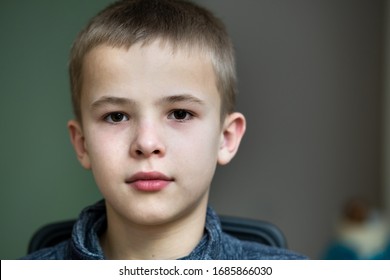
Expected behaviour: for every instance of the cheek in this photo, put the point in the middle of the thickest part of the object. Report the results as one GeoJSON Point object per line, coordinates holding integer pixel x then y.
{"type": "Point", "coordinates": [105, 151]}
{"type": "Point", "coordinates": [198, 148]}
{"type": "Point", "coordinates": [196, 162]}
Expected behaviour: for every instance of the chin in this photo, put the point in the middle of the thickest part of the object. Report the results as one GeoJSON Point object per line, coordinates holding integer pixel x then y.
{"type": "Point", "coordinates": [154, 218]}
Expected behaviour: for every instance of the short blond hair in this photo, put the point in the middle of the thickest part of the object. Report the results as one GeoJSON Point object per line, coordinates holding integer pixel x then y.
{"type": "Point", "coordinates": [180, 23]}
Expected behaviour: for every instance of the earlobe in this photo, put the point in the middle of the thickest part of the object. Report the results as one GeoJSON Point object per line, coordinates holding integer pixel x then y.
{"type": "Point", "coordinates": [232, 133]}
{"type": "Point", "coordinates": [78, 142]}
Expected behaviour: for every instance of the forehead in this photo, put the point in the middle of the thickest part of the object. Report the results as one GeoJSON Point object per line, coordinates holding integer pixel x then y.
{"type": "Point", "coordinates": [144, 69]}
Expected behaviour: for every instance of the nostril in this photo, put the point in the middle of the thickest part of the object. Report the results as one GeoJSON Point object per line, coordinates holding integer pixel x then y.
{"type": "Point", "coordinates": [144, 152]}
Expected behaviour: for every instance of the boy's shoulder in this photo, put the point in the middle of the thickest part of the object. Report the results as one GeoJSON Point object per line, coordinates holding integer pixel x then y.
{"type": "Point", "coordinates": [218, 245]}
{"type": "Point", "coordinates": [236, 249]}
{"type": "Point", "coordinates": [57, 252]}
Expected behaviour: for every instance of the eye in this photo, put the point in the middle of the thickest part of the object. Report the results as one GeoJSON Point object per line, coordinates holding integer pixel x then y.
{"type": "Point", "coordinates": [180, 115]}
{"type": "Point", "coordinates": [116, 117]}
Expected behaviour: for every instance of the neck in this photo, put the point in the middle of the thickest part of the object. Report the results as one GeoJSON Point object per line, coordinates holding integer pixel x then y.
{"type": "Point", "coordinates": [173, 240]}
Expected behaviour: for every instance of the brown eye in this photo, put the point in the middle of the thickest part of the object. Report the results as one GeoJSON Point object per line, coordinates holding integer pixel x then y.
{"type": "Point", "coordinates": [116, 117]}
{"type": "Point", "coordinates": [180, 115]}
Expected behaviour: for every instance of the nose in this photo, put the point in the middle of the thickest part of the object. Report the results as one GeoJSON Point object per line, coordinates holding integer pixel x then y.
{"type": "Point", "coordinates": [147, 142]}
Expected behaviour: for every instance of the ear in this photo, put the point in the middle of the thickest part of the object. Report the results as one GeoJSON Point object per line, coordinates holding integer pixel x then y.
{"type": "Point", "coordinates": [232, 132]}
{"type": "Point", "coordinates": [78, 142]}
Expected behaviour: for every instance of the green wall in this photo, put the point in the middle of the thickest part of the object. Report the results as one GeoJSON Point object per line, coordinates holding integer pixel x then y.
{"type": "Point", "coordinates": [41, 180]}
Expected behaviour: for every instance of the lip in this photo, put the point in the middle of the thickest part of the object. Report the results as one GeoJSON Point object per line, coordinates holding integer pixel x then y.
{"type": "Point", "coordinates": [149, 181]}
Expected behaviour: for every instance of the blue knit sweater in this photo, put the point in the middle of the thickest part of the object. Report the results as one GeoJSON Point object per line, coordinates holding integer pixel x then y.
{"type": "Point", "coordinates": [215, 244]}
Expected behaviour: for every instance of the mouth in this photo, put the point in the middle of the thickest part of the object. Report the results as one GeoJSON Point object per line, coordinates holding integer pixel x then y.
{"type": "Point", "coordinates": [149, 181]}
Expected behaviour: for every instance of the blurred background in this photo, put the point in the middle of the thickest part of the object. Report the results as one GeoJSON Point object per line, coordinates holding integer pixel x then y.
{"type": "Point", "coordinates": [313, 85]}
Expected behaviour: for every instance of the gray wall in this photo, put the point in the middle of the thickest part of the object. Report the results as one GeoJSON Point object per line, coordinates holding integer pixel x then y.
{"type": "Point", "coordinates": [310, 86]}
{"type": "Point", "coordinates": [310, 76]}
{"type": "Point", "coordinates": [386, 115]}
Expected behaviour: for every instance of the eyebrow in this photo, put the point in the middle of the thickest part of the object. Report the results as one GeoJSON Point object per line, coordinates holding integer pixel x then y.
{"type": "Point", "coordinates": [112, 100]}
{"type": "Point", "coordinates": [188, 98]}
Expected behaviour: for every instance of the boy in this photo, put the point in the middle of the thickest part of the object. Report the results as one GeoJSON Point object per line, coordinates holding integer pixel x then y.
{"type": "Point", "coordinates": [153, 89]}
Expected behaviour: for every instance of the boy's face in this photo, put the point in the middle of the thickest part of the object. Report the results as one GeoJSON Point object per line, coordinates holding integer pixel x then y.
{"type": "Point", "coordinates": [151, 130]}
